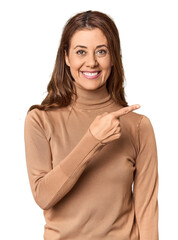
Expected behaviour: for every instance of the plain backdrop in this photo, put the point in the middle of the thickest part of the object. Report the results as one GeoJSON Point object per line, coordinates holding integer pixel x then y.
{"type": "Point", "coordinates": [30, 36]}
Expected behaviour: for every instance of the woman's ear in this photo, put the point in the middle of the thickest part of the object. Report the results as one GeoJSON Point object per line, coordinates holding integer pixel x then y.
{"type": "Point", "coordinates": [66, 58]}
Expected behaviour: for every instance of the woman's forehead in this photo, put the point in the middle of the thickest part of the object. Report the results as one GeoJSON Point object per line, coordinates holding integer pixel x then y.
{"type": "Point", "coordinates": [87, 37]}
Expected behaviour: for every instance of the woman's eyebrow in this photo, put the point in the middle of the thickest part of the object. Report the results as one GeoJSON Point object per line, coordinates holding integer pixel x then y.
{"type": "Point", "coordinates": [81, 46]}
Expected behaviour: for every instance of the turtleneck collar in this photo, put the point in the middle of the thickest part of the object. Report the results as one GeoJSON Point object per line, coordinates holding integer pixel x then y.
{"type": "Point", "coordinates": [92, 99]}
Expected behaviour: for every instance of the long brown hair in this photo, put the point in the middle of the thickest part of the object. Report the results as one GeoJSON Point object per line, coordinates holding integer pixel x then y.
{"type": "Point", "coordinates": [61, 87]}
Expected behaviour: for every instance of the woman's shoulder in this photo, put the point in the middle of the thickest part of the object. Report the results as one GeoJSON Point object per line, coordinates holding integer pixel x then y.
{"type": "Point", "coordinates": [133, 120]}
{"type": "Point", "coordinates": [136, 118]}
{"type": "Point", "coordinates": [35, 119]}
{"type": "Point", "coordinates": [43, 121]}
{"type": "Point", "coordinates": [47, 118]}
{"type": "Point", "coordinates": [136, 122]}
{"type": "Point", "coordinates": [41, 114]}
{"type": "Point", "coordinates": [132, 117]}
{"type": "Point", "coordinates": [35, 115]}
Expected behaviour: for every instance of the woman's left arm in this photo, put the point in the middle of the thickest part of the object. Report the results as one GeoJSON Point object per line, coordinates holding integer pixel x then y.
{"type": "Point", "coordinates": [145, 188]}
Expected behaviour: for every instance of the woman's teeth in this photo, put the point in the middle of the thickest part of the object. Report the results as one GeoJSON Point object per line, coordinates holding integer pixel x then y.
{"type": "Point", "coordinates": [90, 74]}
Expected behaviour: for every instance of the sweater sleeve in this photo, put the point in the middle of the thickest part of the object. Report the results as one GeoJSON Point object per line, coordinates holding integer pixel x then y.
{"type": "Point", "coordinates": [49, 185]}
{"type": "Point", "coordinates": [146, 182]}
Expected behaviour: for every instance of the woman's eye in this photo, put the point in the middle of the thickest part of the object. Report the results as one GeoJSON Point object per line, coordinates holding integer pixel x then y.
{"type": "Point", "coordinates": [102, 52]}
{"type": "Point", "coordinates": [80, 52]}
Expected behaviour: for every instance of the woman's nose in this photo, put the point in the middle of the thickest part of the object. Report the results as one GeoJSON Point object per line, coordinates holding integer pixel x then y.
{"type": "Point", "coordinates": [91, 60]}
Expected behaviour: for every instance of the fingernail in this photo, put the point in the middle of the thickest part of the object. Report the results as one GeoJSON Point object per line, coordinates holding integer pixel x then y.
{"type": "Point", "coordinates": [138, 106]}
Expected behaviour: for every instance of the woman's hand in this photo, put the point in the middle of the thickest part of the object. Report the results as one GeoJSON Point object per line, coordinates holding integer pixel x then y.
{"type": "Point", "coordinates": [106, 127]}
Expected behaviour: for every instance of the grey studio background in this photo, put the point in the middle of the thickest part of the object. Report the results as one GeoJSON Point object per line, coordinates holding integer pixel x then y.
{"type": "Point", "coordinates": [30, 35]}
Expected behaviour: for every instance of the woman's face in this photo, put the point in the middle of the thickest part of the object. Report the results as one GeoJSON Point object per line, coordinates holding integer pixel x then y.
{"type": "Point", "coordinates": [89, 58]}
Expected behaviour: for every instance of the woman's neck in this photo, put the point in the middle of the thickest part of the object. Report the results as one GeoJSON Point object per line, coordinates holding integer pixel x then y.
{"type": "Point", "coordinates": [92, 99]}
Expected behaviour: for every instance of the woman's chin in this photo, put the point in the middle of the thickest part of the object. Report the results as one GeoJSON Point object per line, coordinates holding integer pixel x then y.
{"type": "Point", "coordinates": [90, 84]}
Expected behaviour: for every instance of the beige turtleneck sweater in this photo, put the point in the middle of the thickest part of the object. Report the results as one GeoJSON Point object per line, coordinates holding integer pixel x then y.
{"type": "Point", "coordinates": [84, 186]}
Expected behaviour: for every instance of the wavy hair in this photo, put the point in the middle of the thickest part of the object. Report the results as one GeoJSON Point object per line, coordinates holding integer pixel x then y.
{"type": "Point", "coordinates": [61, 87]}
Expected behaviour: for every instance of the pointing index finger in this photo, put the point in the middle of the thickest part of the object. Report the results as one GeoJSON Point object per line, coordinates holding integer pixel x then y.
{"type": "Point", "coordinates": [125, 110]}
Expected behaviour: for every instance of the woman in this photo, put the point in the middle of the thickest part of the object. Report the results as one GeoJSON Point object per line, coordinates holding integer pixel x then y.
{"type": "Point", "coordinates": [85, 146]}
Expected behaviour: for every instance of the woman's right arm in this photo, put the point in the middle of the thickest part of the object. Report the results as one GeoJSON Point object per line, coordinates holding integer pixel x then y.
{"type": "Point", "coordinates": [49, 185]}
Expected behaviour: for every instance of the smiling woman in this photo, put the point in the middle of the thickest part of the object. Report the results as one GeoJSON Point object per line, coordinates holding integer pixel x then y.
{"type": "Point", "coordinates": [86, 148]}
{"type": "Point", "coordinates": [103, 45]}
{"type": "Point", "coordinates": [92, 63]}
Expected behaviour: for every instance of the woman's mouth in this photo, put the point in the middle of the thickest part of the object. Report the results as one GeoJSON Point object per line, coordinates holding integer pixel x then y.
{"type": "Point", "coordinates": [91, 75]}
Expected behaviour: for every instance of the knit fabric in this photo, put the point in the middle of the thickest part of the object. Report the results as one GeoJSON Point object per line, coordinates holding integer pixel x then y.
{"type": "Point", "coordinates": [90, 190]}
